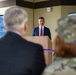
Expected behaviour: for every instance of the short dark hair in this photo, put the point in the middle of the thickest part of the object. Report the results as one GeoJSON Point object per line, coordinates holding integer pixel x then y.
{"type": "Point", "coordinates": [64, 50]}
{"type": "Point", "coordinates": [41, 18]}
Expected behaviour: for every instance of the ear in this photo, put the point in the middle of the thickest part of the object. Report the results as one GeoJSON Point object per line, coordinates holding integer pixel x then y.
{"type": "Point", "coordinates": [25, 27]}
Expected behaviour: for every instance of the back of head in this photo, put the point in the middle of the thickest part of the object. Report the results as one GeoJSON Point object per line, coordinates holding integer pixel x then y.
{"type": "Point", "coordinates": [15, 17]}
{"type": "Point", "coordinates": [65, 42]}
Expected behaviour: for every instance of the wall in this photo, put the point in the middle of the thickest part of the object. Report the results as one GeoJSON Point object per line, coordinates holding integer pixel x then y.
{"type": "Point", "coordinates": [50, 18]}
{"type": "Point", "coordinates": [67, 9]}
{"type": "Point", "coordinates": [30, 21]}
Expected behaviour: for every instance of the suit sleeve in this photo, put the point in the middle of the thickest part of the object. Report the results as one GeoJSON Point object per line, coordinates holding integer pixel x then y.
{"type": "Point", "coordinates": [39, 63]}
{"type": "Point", "coordinates": [33, 33]}
{"type": "Point", "coordinates": [49, 34]}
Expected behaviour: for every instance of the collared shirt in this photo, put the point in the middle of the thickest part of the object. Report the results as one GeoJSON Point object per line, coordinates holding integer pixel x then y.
{"type": "Point", "coordinates": [42, 30]}
{"type": "Point", "coordinates": [16, 32]}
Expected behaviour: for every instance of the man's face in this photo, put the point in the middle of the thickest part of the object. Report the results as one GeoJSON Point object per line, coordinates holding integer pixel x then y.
{"type": "Point", "coordinates": [41, 22]}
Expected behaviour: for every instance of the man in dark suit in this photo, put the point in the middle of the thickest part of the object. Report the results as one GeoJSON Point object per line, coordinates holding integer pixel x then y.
{"type": "Point", "coordinates": [17, 55]}
{"type": "Point", "coordinates": [41, 30]}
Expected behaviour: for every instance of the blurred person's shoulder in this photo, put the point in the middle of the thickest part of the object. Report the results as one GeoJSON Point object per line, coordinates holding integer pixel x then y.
{"type": "Point", "coordinates": [32, 45]}
{"type": "Point", "coordinates": [61, 67]}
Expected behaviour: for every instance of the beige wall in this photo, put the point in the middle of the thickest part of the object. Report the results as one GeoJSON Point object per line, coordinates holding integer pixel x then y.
{"type": "Point", "coordinates": [67, 9]}
{"type": "Point", "coordinates": [30, 21]}
{"type": "Point", "coordinates": [50, 18]}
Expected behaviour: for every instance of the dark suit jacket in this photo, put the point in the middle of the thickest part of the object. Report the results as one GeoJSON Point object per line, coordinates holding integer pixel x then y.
{"type": "Point", "coordinates": [19, 56]}
{"type": "Point", "coordinates": [46, 32]}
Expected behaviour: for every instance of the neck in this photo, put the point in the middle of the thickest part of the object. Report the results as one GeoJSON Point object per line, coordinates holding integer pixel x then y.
{"type": "Point", "coordinates": [41, 25]}
{"type": "Point", "coordinates": [16, 31]}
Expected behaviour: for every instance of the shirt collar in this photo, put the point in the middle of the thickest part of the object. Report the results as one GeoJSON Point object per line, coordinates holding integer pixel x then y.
{"type": "Point", "coordinates": [41, 26]}
{"type": "Point", "coordinates": [16, 32]}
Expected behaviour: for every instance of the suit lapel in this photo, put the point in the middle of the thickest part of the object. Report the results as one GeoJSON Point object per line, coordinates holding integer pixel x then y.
{"type": "Point", "coordinates": [44, 30]}
{"type": "Point", "coordinates": [38, 31]}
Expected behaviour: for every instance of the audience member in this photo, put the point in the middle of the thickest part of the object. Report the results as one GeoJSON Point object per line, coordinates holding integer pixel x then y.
{"type": "Point", "coordinates": [65, 48]}
{"type": "Point", "coordinates": [17, 55]}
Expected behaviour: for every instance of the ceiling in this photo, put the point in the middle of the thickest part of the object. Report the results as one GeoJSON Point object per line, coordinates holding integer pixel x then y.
{"type": "Point", "coordinates": [35, 0]}
{"type": "Point", "coordinates": [37, 4]}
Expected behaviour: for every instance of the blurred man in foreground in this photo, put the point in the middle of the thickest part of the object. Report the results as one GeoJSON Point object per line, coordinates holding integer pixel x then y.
{"type": "Point", "coordinates": [17, 55]}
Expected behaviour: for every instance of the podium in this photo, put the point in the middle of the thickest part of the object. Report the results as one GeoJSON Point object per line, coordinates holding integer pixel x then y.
{"type": "Point", "coordinates": [46, 44]}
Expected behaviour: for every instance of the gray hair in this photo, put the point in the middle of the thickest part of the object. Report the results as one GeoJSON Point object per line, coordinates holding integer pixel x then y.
{"type": "Point", "coordinates": [15, 18]}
